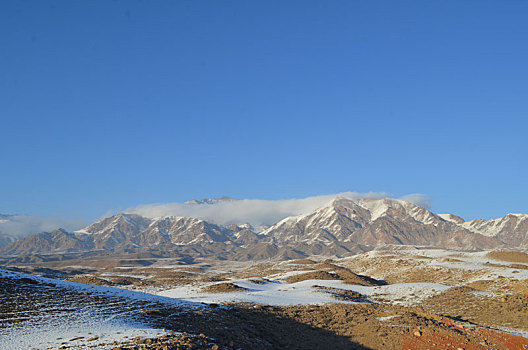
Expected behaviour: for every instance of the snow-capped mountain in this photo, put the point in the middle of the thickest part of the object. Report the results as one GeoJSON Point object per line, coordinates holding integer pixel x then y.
{"type": "Point", "coordinates": [451, 218]}
{"type": "Point", "coordinates": [512, 229]}
{"type": "Point", "coordinates": [341, 227]}
{"type": "Point", "coordinates": [337, 220]}
{"type": "Point", "coordinates": [134, 230]}
{"type": "Point", "coordinates": [118, 229]}
{"type": "Point", "coordinates": [125, 232]}
{"type": "Point", "coordinates": [185, 230]}
{"type": "Point", "coordinates": [372, 222]}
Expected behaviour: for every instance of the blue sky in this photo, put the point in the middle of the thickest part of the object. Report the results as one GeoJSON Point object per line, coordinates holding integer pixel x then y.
{"type": "Point", "coordinates": [112, 104]}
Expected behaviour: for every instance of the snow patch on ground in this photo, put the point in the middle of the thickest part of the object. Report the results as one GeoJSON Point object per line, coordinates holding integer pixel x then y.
{"type": "Point", "coordinates": [56, 330]}
{"type": "Point", "coordinates": [305, 292]}
{"type": "Point", "coordinates": [470, 261]}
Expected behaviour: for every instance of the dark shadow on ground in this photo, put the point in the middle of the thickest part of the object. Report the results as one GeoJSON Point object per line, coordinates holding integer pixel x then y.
{"type": "Point", "coordinates": [239, 327]}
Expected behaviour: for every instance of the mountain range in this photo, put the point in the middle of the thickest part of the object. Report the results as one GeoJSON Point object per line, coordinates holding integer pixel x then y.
{"type": "Point", "coordinates": [340, 228]}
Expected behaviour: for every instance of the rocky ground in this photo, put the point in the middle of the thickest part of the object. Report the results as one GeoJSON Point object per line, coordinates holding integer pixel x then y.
{"type": "Point", "coordinates": [394, 299]}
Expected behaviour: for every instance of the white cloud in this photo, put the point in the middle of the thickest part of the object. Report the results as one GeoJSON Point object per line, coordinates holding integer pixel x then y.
{"type": "Point", "coordinates": [257, 212]}
{"type": "Point", "coordinates": [24, 225]}
{"type": "Point", "coordinates": [418, 199]}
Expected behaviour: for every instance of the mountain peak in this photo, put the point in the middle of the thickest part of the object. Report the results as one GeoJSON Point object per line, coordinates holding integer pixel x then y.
{"type": "Point", "coordinates": [452, 218]}
{"type": "Point", "coordinates": [211, 200]}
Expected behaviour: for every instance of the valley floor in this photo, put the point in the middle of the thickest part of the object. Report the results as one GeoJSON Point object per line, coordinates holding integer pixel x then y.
{"type": "Point", "coordinates": [405, 298]}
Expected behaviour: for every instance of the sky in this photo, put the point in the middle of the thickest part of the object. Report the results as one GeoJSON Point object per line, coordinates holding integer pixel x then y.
{"type": "Point", "coordinates": [108, 105]}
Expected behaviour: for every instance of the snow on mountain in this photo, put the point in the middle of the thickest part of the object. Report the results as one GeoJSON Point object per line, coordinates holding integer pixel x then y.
{"type": "Point", "coordinates": [116, 230]}
{"type": "Point", "coordinates": [185, 230]}
{"type": "Point", "coordinates": [390, 206]}
{"type": "Point", "coordinates": [336, 220]}
{"type": "Point", "coordinates": [512, 228]}
{"type": "Point", "coordinates": [493, 227]}
{"type": "Point", "coordinates": [451, 218]}
{"type": "Point", "coordinates": [340, 227]}
{"type": "Point", "coordinates": [373, 222]}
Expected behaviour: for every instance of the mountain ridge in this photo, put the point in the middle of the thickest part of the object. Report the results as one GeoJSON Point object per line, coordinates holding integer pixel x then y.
{"type": "Point", "coordinates": [341, 227]}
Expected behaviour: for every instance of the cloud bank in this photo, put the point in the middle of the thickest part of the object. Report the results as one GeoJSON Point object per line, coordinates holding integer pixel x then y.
{"type": "Point", "coordinates": [256, 212]}
{"type": "Point", "coordinates": [20, 226]}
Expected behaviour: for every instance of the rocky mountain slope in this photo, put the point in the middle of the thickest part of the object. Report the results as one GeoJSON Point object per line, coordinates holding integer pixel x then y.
{"type": "Point", "coordinates": [372, 222]}
{"type": "Point", "coordinates": [342, 227]}
{"type": "Point", "coordinates": [512, 229]}
{"type": "Point", "coordinates": [49, 242]}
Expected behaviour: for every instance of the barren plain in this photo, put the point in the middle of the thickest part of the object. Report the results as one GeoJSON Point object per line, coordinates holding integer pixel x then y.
{"type": "Point", "coordinates": [393, 298]}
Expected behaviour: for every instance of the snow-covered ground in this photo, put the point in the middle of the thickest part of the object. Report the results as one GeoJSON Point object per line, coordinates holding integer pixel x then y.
{"type": "Point", "coordinates": [304, 292]}
{"type": "Point", "coordinates": [77, 330]}
{"type": "Point", "coordinates": [82, 325]}
{"type": "Point", "coordinates": [469, 261]}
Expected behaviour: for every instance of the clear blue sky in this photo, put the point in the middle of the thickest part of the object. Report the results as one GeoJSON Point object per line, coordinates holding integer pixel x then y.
{"type": "Point", "coordinates": [110, 104]}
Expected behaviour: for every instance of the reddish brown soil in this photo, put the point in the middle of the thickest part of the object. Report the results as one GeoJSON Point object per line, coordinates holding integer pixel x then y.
{"type": "Point", "coordinates": [328, 271]}
{"type": "Point", "coordinates": [511, 256]}
{"type": "Point", "coordinates": [91, 280]}
{"type": "Point", "coordinates": [509, 311]}
{"type": "Point", "coordinates": [314, 275]}
{"type": "Point", "coordinates": [225, 287]}
{"type": "Point", "coordinates": [469, 338]}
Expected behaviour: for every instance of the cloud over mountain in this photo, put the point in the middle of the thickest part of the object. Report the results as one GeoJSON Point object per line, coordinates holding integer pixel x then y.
{"type": "Point", "coordinates": [257, 212]}
{"type": "Point", "coordinates": [222, 211]}
{"type": "Point", "coordinates": [418, 199]}
{"type": "Point", "coordinates": [23, 225]}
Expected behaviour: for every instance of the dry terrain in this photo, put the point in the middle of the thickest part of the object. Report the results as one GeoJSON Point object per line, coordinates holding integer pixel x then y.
{"type": "Point", "coordinates": [403, 298]}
